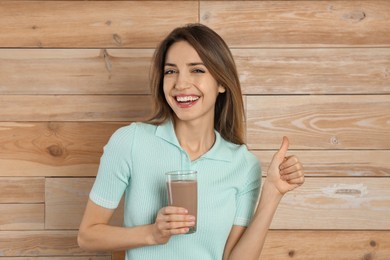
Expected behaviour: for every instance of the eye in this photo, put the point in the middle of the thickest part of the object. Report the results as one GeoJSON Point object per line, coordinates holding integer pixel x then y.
{"type": "Point", "coordinates": [198, 70]}
{"type": "Point", "coordinates": [169, 71]}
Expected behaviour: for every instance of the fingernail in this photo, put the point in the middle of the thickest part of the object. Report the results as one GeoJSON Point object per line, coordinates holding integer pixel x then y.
{"type": "Point", "coordinates": [191, 218]}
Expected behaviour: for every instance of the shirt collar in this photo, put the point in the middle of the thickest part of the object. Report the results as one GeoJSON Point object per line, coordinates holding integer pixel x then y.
{"type": "Point", "coordinates": [220, 150]}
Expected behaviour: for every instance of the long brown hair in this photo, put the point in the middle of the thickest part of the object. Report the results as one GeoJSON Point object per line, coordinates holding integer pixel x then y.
{"type": "Point", "coordinates": [216, 56]}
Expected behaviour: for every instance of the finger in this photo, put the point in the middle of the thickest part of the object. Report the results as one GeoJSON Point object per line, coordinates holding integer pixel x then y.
{"type": "Point", "coordinates": [179, 225]}
{"type": "Point", "coordinates": [173, 210]}
{"type": "Point", "coordinates": [179, 231]}
{"type": "Point", "coordinates": [174, 218]}
{"type": "Point", "coordinates": [291, 176]}
{"type": "Point", "coordinates": [172, 214]}
{"type": "Point", "coordinates": [167, 228]}
{"type": "Point", "coordinates": [298, 181]}
{"type": "Point", "coordinates": [294, 168]}
{"type": "Point", "coordinates": [289, 161]}
{"type": "Point", "coordinates": [281, 153]}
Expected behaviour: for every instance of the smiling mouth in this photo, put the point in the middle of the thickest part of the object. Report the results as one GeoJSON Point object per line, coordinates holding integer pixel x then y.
{"type": "Point", "coordinates": [186, 99]}
{"type": "Point", "coordinates": [185, 102]}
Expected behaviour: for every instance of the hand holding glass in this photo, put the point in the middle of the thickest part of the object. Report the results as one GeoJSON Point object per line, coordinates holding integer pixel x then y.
{"type": "Point", "coordinates": [183, 192]}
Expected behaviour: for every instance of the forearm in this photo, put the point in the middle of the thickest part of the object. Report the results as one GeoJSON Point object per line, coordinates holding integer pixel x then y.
{"type": "Point", "coordinates": [102, 237]}
{"type": "Point", "coordinates": [251, 243]}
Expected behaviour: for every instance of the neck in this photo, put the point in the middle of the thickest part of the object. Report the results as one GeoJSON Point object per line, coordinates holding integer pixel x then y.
{"type": "Point", "coordinates": [195, 138]}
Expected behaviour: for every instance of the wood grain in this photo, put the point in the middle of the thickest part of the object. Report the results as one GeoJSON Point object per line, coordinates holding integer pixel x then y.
{"type": "Point", "coordinates": [314, 71]}
{"type": "Point", "coordinates": [42, 243]}
{"type": "Point", "coordinates": [319, 122]}
{"type": "Point", "coordinates": [53, 148]}
{"type": "Point", "coordinates": [22, 216]}
{"type": "Point", "coordinates": [72, 72]}
{"type": "Point", "coordinates": [262, 71]}
{"type": "Point", "coordinates": [75, 71]}
{"type": "Point", "coordinates": [97, 24]}
{"type": "Point", "coordinates": [336, 203]}
{"type": "Point", "coordinates": [299, 24]}
{"type": "Point", "coordinates": [74, 108]}
{"type": "Point", "coordinates": [22, 190]}
{"type": "Point", "coordinates": [280, 244]}
{"type": "Point", "coordinates": [314, 244]}
{"type": "Point", "coordinates": [328, 163]}
{"type": "Point", "coordinates": [65, 203]}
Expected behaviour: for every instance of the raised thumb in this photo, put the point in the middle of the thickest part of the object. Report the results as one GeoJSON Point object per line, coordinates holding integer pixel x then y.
{"type": "Point", "coordinates": [283, 149]}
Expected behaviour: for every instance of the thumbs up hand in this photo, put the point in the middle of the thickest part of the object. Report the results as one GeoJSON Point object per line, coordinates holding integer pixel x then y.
{"type": "Point", "coordinates": [285, 173]}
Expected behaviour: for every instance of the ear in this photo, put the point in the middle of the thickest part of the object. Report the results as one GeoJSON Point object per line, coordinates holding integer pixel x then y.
{"type": "Point", "coordinates": [221, 89]}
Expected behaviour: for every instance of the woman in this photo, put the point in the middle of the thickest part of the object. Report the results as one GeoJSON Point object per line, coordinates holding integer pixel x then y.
{"type": "Point", "coordinates": [198, 125]}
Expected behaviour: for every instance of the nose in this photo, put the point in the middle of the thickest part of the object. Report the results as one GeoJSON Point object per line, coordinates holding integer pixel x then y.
{"type": "Point", "coordinates": [182, 81]}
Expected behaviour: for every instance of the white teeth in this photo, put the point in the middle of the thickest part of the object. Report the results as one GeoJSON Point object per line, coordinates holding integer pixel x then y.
{"type": "Point", "coordinates": [186, 98]}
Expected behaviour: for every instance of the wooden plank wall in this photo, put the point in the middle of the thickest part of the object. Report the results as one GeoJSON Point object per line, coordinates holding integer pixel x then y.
{"type": "Point", "coordinates": [72, 72]}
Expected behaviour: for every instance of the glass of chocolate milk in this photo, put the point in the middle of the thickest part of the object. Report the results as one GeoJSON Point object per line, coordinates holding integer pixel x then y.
{"type": "Point", "coordinates": [183, 192]}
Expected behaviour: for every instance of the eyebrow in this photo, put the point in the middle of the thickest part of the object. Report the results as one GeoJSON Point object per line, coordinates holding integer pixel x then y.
{"type": "Point", "coordinates": [189, 64]}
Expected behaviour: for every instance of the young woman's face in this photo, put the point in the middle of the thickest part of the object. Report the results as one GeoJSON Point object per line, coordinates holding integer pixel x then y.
{"type": "Point", "coordinates": [189, 88]}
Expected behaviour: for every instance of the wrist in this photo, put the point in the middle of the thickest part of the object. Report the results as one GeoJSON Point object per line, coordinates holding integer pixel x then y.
{"type": "Point", "coordinates": [270, 190]}
{"type": "Point", "coordinates": [149, 237]}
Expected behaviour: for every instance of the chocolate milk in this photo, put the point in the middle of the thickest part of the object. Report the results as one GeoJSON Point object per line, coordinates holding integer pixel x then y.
{"type": "Point", "coordinates": [184, 194]}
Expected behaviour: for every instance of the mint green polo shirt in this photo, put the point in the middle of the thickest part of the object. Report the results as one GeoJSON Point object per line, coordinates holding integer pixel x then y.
{"type": "Point", "coordinates": [134, 163]}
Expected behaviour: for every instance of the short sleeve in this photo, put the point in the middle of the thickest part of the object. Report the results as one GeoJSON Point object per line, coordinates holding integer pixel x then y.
{"type": "Point", "coordinates": [248, 195]}
{"type": "Point", "coordinates": [114, 172]}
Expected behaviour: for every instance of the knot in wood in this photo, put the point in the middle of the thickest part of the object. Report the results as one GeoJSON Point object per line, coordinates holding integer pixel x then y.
{"type": "Point", "coordinates": [117, 39]}
{"type": "Point", "coordinates": [107, 60]}
{"type": "Point", "coordinates": [291, 253]}
{"type": "Point", "coordinates": [55, 150]}
{"type": "Point", "coordinates": [386, 72]}
{"type": "Point", "coordinates": [356, 16]}
{"type": "Point", "coordinates": [334, 140]}
{"type": "Point", "coordinates": [373, 243]}
{"type": "Point", "coordinates": [206, 16]}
